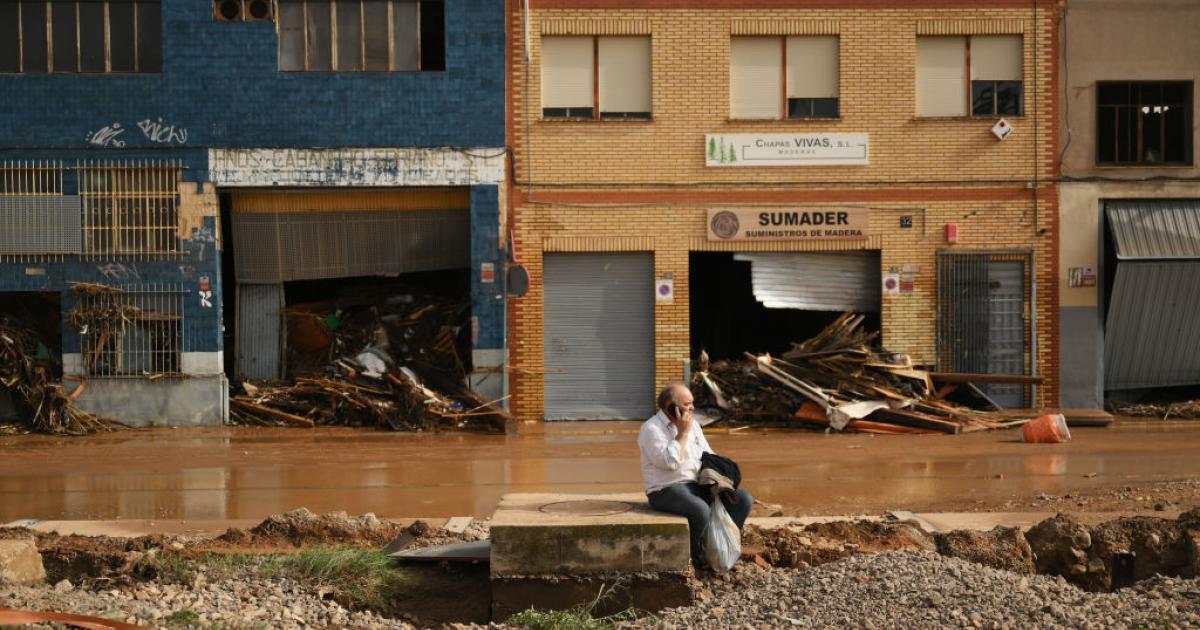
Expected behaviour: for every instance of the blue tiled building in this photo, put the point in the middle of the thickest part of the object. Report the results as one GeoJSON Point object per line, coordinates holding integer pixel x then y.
{"type": "Point", "coordinates": [201, 155]}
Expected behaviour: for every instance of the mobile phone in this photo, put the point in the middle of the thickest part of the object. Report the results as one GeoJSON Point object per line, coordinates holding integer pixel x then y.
{"type": "Point", "coordinates": [674, 411]}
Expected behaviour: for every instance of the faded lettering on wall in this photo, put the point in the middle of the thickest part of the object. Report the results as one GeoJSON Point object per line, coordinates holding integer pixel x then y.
{"type": "Point", "coordinates": [407, 166]}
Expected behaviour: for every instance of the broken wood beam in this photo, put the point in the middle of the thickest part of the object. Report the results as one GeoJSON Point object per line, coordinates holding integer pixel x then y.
{"type": "Point", "coordinates": [252, 408]}
{"type": "Point", "coordinates": [913, 419]}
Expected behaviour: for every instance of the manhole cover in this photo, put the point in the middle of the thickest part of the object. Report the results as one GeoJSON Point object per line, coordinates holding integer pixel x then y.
{"type": "Point", "coordinates": [586, 508]}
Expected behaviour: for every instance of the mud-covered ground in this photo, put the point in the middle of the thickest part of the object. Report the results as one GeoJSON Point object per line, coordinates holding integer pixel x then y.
{"type": "Point", "coordinates": [249, 577]}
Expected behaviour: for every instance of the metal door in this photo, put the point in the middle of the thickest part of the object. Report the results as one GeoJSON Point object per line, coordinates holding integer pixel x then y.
{"type": "Point", "coordinates": [982, 323]}
{"type": "Point", "coordinates": [599, 336]}
{"type": "Point", "coordinates": [260, 331]}
{"type": "Point", "coordinates": [1006, 329]}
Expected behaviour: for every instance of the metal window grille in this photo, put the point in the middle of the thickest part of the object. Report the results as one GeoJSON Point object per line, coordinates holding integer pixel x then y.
{"type": "Point", "coordinates": [130, 208]}
{"type": "Point", "coordinates": [136, 331]}
{"type": "Point", "coordinates": [984, 325]}
{"type": "Point", "coordinates": [37, 222]}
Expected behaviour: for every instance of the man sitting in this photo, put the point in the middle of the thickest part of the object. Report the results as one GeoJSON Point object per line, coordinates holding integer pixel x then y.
{"type": "Point", "coordinates": [671, 445]}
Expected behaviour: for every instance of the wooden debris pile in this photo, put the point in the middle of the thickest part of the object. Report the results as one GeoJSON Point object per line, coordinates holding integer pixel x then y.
{"type": "Point", "coordinates": [838, 380]}
{"type": "Point", "coordinates": [373, 360]}
{"type": "Point", "coordinates": [46, 405]}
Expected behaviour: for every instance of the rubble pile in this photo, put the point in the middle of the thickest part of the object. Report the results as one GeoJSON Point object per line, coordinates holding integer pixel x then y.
{"type": "Point", "coordinates": [49, 408]}
{"type": "Point", "coordinates": [372, 360]}
{"type": "Point", "coordinates": [838, 380]}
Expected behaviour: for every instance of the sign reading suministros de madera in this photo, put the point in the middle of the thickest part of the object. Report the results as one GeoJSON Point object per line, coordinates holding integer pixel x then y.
{"type": "Point", "coordinates": [786, 224]}
{"type": "Point", "coordinates": [790, 149]}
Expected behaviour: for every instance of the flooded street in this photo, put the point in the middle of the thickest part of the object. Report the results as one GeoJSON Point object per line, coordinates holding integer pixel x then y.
{"type": "Point", "coordinates": [249, 473]}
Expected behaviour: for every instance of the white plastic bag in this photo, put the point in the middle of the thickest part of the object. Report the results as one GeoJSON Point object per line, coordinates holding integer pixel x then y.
{"type": "Point", "coordinates": [722, 539]}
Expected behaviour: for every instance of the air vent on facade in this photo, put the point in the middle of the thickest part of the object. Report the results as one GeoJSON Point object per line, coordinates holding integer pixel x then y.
{"type": "Point", "coordinates": [257, 10]}
{"type": "Point", "coordinates": [228, 10]}
{"type": "Point", "coordinates": [242, 10]}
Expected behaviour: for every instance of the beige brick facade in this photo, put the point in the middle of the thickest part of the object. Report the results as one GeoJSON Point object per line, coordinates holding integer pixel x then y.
{"type": "Point", "coordinates": [601, 186]}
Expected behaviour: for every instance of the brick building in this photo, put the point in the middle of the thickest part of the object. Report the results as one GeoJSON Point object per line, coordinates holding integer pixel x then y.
{"type": "Point", "coordinates": [207, 156]}
{"type": "Point", "coordinates": [729, 176]}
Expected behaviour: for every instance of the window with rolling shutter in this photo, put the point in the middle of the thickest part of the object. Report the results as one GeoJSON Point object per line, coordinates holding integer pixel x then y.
{"type": "Point", "coordinates": [812, 77]}
{"type": "Point", "coordinates": [755, 79]}
{"type": "Point", "coordinates": [773, 76]}
{"type": "Point", "coordinates": [996, 75]}
{"type": "Point", "coordinates": [981, 74]}
{"type": "Point", "coordinates": [586, 77]}
{"type": "Point", "coordinates": [624, 67]}
{"type": "Point", "coordinates": [941, 76]}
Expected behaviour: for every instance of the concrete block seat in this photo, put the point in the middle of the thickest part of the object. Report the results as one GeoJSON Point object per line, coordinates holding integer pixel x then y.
{"type": "Point", "coordinates": [559, 550]}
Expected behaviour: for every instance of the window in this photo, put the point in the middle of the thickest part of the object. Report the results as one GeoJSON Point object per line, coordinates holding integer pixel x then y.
{"type": "Point", "coordinates": [362, 35]}
{"type": "Point", "coordinates": [590, 77]}
{"type": "Point", "coordinates": [85, 36]}
{"type": "Point", "coordinates": [134, 331]}
{"type": "Point", "coordinates": [130, 208]}
{"type": "Point", "coordinates": [773, 76]}
{"type": "Point", "coordinates": [981, 74]}
{"type": "Point", "coordinates": [1144, 122]}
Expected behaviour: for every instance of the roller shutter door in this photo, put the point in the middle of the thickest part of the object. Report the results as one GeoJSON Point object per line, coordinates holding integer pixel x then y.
{"type": "Point", "coordinates": [599, 336]}
{"type": "Point", "coordinates": [259, 331]}
{"type": "Point", "coordinates": [816, 281]}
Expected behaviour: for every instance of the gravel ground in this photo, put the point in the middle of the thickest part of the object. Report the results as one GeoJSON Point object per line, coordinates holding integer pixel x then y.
{"type": "Point", "coordinates": [925, 590]}
{"type": "Point", "coordinates": [238, 603]}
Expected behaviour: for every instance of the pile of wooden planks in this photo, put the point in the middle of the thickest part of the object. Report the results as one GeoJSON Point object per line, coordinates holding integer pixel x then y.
{"type": "Point", "coordinates": [838, 380]}
{"type": "Point", "coordinates": [400, 403]}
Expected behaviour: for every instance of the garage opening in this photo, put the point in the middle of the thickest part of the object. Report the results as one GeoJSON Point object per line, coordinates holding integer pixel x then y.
{"type": "Point", "coordinates": [763, 302]}
{"type": "Point", "coordinates": [40, 314]}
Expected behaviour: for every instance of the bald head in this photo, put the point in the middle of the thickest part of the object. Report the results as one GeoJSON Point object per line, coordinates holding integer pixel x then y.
{"type": "Point", "coordinates": [675, 393]}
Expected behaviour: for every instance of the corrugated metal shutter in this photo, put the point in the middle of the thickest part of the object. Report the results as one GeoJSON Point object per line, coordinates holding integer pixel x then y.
{"type": "Point", "coordinates": [599, 336]}
{"type": "Point", "coordinates": [1153, 228]}
{"type": "Point", "coordinates": [816, 281]}
{"type": "Point", "coordinates": [282, 247]}
{"type": "Point", "coordinates": [1152, 337]}
{"type": "Point", "coordinates": [259, 331]}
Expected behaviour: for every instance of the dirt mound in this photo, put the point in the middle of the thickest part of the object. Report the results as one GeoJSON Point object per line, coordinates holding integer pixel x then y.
{"type": "Point", "coordinates": [1160, 547]}
{"type": "Point", "coordinates": [78, 558]}
{"type": "Point", "coordinates": [821, 543]}
{"type": "Point", "coordinates": [301, 527]}
{"type": "Point", "coordinates": [1002, 548]}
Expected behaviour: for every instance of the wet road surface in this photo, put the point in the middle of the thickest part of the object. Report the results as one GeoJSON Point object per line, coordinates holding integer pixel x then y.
{"type": "Point", "coordinates": [249, 473]}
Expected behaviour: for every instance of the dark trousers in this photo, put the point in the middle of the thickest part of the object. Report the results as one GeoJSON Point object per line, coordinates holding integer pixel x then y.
{"type": "Point", "coordinates": [691, 500]}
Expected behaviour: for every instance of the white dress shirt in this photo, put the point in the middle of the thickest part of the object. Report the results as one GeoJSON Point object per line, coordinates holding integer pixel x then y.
{"type": "Point", "coordinates": [662, 462]}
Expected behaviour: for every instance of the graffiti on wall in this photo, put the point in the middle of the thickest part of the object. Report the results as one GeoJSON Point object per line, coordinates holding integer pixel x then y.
{"type": "Point", "coordinates": [161, 133]}
{"type": "Point", "coordinates": [119, 272]}
{"type": "Point", "coordinates": [107, 136]}
{"type": "Point", "coordinates": [201, 239]}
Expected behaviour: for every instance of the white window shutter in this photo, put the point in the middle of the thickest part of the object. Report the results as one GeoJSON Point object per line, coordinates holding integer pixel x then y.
{"type": "Point", "coordinates": [941, 76]}
{"type": "Point", "coordinates": [996, 58]}
{"type": "Point", "coordinates": [567, 72]}
{"type": "Point", "coordinates": [755, 81]}
{"type": "Point", "coordinates": [812, 67]}
{"type": "Point", "coordinates": [624, 64]}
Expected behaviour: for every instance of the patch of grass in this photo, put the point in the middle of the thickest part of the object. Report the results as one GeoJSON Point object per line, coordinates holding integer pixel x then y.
{"type": "Point", "coordinates": [183, 617]}
{"type": "Point", "coordinates": [578, 618]}
{"type": "Point", "coordinates": [365, 578]}
{"type": "Point", "coordinates": [177, 568]}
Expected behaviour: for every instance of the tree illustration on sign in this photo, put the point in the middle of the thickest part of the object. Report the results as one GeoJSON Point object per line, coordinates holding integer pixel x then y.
{"type": "Point", "coordinates": [712, 148]}
{"type": "Point", "coordinates": [732, 157]}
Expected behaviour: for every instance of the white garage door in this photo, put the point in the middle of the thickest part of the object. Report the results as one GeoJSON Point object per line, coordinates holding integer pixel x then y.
{"type": "Point", "coordinates": [599, 336]}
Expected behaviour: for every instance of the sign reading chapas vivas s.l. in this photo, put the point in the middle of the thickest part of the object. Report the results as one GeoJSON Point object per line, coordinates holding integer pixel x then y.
{"type": "Point", "coordinates": [790, 149]}
{"type": "Point", "coordinates": [786, 224]}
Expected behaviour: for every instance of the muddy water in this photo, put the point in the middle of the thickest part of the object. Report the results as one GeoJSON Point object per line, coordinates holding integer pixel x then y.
{"type": "Point", "coordinates": [248, 473]}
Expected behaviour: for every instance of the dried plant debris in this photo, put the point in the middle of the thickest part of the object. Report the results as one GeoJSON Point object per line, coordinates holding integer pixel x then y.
{"type": "Point", "coordinates": [47, 407]}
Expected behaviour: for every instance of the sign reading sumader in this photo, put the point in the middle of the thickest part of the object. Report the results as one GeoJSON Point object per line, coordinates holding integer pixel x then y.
{"type": "Point", "coordinates": [780, 224]}
{"type": "Point", "coordinates": [791, 149]}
